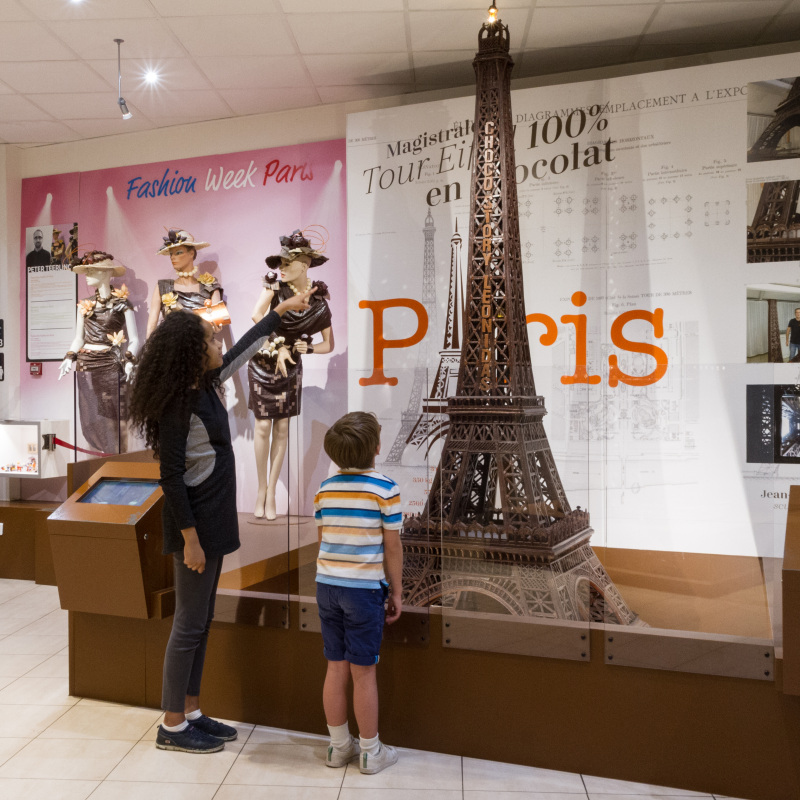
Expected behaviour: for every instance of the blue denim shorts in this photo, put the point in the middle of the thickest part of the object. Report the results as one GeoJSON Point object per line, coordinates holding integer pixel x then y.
{"type": "Point", "coordinates": [352, 623]}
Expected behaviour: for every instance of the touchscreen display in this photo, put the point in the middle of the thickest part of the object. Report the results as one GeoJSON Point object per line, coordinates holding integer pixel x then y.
{"type": "Point", "coordinates": [119, 492]}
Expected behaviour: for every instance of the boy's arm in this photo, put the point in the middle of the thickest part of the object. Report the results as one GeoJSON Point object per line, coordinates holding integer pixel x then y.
{"type": "Point", "coordinates": [393, 567]}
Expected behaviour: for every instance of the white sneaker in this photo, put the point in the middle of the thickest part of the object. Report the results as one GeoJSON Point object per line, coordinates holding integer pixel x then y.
{"type": "Point", "coordinates": [339, 758]}
{"type": "Point", "coordinates": [369, 765]}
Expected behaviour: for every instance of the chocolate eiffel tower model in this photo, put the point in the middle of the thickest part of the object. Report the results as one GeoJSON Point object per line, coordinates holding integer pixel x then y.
{"type": "Point", "coordinates": [497, 521]}
{"type": "Point", "coordinates": [787, 116]}
{"type": "Point", "coordinates": [773, 236]}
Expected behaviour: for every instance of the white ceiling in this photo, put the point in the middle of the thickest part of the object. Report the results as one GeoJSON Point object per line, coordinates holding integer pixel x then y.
{"type": "Point", "coordinates": [227, 58]}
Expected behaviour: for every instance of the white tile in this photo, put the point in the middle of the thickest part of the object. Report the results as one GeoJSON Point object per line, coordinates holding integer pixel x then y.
{"type": "Point", "coordinates": [196, 8]}
{"type": "Point", "coordinates": [56, 666]}
{"type": "Point", "coordinates": [415, 769]}
{"type": "Point", "coordinates": [9, 746]}
{"type": "Point", "coordinates": [254, 72]}
{"type": "Point", "coordinates": [13, 11]}
{"type": "Point", "coordinates": [606, 786]}
{"type": "Point", "coordinates": [119, 790]}
{"type": "Point", "coordinates": [31, 41]}
{"type": "Point", "coordinates": [568, 27]}
{"type": "Point", "coordinates": [29, 721]}
{"type": "Point", "coordinates": [17, 644]}
{"type": "Point", "coordinates": [102, 722]}
{"type": "Point", "coordinates": [53, 76]}
{"type": "Point", "coordinates": [166, 766]}
{"type": "Point", "coordinates": [366, 32]}
{"type": "Point", "coordinates": [5, 680]}
{"type": "Point", "coordinates": [486, 795]}
{"type": "Point", "coordinates": [280, 793]}
{"type": "Point", "coordinates": [94, 9]}
{"type": "Point", "coordinates": [495, 776]}
{"type": "Point", "coordinates": [92, 128]}
{"type": "Point", "coordinates": [56, 623]}
{"type": "Point", "coordinates": [247, 35]}
{"type": "Point", "coordinates": [10, 588]}
{"type": "Point", "coordinates": [357, 68]}
{"type": "Point", "coordinates": [37, 692]}
{"type": "Point", "coordinates": [143, 38]}
{"type": "Point", "coordinates": [276, 765]}
{"type": "Point", "coordinates": [453, 66]}
{"type": "Point", "coordinates": [89, 105]}
{"type": "Point", "coordinates": [262, 734]}
{"type": "Point", "coordinates": [18, 665]}
{"type": "Point", "coordinates": [66, 759]}
{"type": "Point", "coordinates": [658, 794]}
{"type": "Point", "coordinates": [175, 74]}
{"type": "Point", "coordinates": [12, 624]}
{"type": "Point", "coordinates": [191, 105]}
{"type": "Point", "coordinates": [405, 794]}
{"type": "Point", "coordinates": [32, 789]}
{"type": "Point", "coordinates": [340, 6]}
{"type": "Point", "coordinates": [264, 101]}
{"type": "Point", "coordinates": [346, 94]}
{"type": "Point", "coordinates": [443, 30]}
{"type": "Point", "coordinates": [15, 108]}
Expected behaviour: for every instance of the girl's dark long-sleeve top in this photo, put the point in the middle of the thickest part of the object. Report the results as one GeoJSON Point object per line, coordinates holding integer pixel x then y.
{"type": "Point", "coordinates": [198, 473]}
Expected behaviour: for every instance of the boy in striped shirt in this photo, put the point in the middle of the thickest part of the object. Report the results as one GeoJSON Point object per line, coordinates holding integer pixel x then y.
{"type": "Point", "coordinates": [360, 565]}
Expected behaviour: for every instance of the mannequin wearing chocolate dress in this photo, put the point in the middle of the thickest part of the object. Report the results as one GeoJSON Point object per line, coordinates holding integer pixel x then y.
{"type": "Point", "coordinates": [187, 290]}
{"type": "Point", "coordinates": [275, 373]}
{"type": "Point", "coordinates": [102, 355]}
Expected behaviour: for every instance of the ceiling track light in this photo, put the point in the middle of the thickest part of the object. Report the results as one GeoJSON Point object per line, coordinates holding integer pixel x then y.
{"type": "Point", "coordinates": [121, 100]}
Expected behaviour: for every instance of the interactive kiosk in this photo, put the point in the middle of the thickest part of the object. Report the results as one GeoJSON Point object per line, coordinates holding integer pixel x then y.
{"type": "Point", "coordinates": [106, 542]}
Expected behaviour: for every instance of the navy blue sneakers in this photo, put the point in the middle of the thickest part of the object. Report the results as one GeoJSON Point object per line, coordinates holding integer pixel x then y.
{"type": "Point", "coordinates": [189, 740]}
{"type": "Point", "coordinates": [215, 728]}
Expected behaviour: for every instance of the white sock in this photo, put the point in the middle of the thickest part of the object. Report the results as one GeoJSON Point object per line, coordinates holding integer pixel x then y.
{"type": "Point", "coordinates": [371, 746]}
{"type": "Point", "coordinates": [193, 715]}
{"type": "Point", "coordinates": [340, 736]}
{"type": "Point", "coordinates": [175, 728]}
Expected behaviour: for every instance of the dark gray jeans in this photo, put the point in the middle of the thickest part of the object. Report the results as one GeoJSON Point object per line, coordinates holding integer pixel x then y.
{"type": "Point", "coordinates": [186, 651]}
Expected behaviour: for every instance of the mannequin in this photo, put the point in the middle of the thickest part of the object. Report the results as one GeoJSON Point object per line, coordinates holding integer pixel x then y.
{"type": "Point", "coordinates": [101, 354]}
{"type": "Point", "coordinates": [187, 290]}
{"type": "Point", "coordinates": [275, 373]}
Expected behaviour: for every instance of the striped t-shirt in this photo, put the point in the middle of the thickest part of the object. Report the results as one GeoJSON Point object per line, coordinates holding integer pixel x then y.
{"type": "Point", "coordinates": [352, 510]}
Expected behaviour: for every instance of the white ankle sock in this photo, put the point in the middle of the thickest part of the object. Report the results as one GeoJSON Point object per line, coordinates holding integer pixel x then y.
{"type": "Point", "coordinates": [175, 728]}
{"type": "Point", "coordinates": [371, 746]}
{"type": "Point", "coordinates": [340, 736]}
{"type": "Point", "coordinates": [193, 715]}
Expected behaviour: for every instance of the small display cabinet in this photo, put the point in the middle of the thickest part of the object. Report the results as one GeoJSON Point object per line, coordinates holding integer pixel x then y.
{"type": "Point", "coordinates": [27, 449]}
{"type": "Point", "coordinates": [106, 543]}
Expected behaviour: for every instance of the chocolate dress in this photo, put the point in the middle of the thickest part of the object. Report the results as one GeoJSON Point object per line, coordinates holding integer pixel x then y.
{"type": "Point", "coordinates": [102, 390]}
{"type": "Point", "coordinates": [271, 395]}
{"type": "Point", "coordinates": [188, 301]}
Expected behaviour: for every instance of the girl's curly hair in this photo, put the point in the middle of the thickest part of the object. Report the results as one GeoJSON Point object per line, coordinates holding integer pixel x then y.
{"type": "Point", "coordinates": [171, 365]}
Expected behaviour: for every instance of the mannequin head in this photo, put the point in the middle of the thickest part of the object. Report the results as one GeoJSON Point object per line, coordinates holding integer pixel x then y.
{"type": "Point", "coordinates": [182, 258]}
{"type": "Point", "coordinates": [296, 269]}
{"type": "Point", "coordinates": [97, 276]}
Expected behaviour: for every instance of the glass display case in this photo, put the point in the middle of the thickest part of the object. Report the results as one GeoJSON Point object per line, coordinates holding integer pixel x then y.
{"type": "Point", "coordinates": [24, 453]}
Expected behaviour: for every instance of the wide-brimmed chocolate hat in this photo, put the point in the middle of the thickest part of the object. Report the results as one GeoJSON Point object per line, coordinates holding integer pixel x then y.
{"type": "Point", "coordinates": [95, 259]}
{"type": "Point", "coordinates": [179, 238]}
{"type": "Point", "coordinates": [293, 246]}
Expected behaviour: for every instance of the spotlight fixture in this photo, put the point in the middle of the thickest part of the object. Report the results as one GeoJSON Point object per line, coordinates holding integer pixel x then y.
{"type": "Point", "coordinates": [492, 14]}
{"type": "Point", "coordinates": [121, 100]}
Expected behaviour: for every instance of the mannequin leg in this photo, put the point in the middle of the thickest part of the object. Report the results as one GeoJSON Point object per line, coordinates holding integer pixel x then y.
{"type": "Point", "coordinates": [280, 439]}
{"type": "Point", "coordinates": [263, 429]}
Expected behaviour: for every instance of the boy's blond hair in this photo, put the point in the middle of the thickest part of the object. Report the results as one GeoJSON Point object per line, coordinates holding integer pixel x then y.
{"type": "Point", "coordinates": [352, 441]}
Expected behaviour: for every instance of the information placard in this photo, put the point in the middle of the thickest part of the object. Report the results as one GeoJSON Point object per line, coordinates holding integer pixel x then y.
{"type": "Point", "coordinates": [52, 298]}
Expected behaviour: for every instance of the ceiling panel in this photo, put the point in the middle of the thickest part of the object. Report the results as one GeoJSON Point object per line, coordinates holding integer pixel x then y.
{"type": "Point", "coordinates": [566, 27]}
{"type": "Point", "coordinates": [355, 69]}
{"type": "Point", "coordinates": [246, 72]}
{"type": "Point", "coordinates": [89, 9]}
{"type": "Point", "coordinates": [339, 6]}
{"type": "Point", "coordinates": [346, 94]}
{"type": "Point", "coordinates": [15, 108]}
{"type": "Point", "coordinates": [245, 35]}
{"type": "Point", "coordinates": [167, 104]}
{"type": "Point", "coordinates": [565, 59]}
{"type": "Point", "coordinates": [13, 10]}
{"type": "Point", "coordinates": [349, 33]}
{"type": "Point", "coordinates": [35, 132]}
{"type": "Point", "coordinates": [444, 30]}
{"type": "Point", "coordinates": [174, 73]}
{"type": "Point", "coordinates": [214, 8]}
{"type": "Point", "coordinates": [263, 101]}
{"type": "Point", "coordinates": [93, 128]}
{"type": "Point", "coordinates": [29, 77]}
{"type": "Point", "coordinates": [74, 105]}
{"type": "Point", "coordinates": [31, 41]}
{"type": "Point", "coordinates": [93, 39]}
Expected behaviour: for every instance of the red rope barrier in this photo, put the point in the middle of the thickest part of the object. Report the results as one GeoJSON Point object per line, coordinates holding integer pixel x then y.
{"type": "Point", "coordinates": [69, 446]}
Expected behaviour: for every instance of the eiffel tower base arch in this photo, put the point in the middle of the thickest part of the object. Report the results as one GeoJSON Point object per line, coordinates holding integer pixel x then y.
{"type": "Point", "coordinates": [573, 587]}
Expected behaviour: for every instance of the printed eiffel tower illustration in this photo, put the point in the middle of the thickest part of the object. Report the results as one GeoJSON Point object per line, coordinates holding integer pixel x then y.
{"type": "Point", "coordinates": [409, 417]}
{"type": "Point", "coordinates": [433, 422]}
{"type": "Point", "coordinates": [774, 234]}
{"type": "Point", "coordinates": [787, 116]}
{"type": "Point", "coordinates": [497, 521]}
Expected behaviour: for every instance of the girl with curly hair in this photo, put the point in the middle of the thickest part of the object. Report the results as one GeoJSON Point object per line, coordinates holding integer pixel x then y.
{"type": "Point", "coordinates": [176, 408]}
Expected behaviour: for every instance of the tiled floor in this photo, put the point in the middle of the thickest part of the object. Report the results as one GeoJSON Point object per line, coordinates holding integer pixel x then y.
{"type": "Point", "coordinates": [57, 747]}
